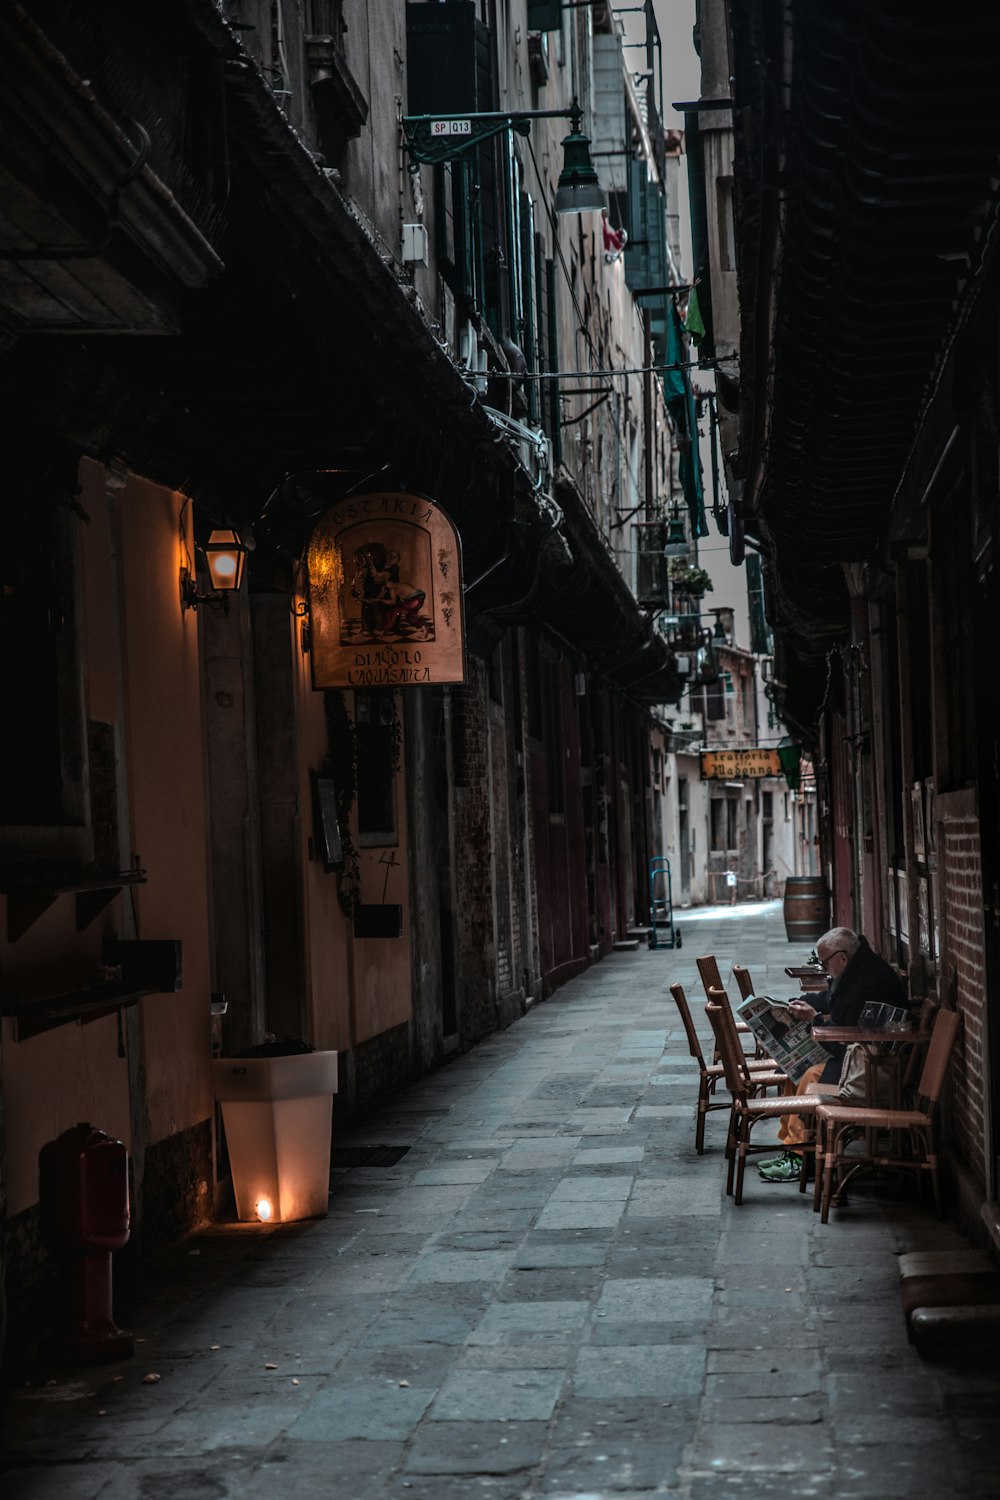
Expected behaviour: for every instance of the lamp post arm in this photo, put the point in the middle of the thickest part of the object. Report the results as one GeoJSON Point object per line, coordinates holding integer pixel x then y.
{"type": "Point", "coordinates": [433, 139]}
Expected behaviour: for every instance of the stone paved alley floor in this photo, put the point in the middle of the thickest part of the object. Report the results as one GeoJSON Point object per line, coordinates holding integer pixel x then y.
{"type": "Point", "coordinates": [547, 1295]}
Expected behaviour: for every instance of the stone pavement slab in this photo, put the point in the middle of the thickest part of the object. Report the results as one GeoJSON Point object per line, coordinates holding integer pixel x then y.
{"type": "Point", "coordinates": [369, 1409]}
{"type": "Point", "coordinates": [523, 1395]}
{"type": "Point", "coordinates": [548, 1297]}
{"type": "Point", "coordinates": [656, 1371]}
{"type": "Point", "coordinates": [538, 1319]}
{"type": "Point", "coordinates": [477, 1447]}
{"type": "Point", "coordinates": [578, 1214]}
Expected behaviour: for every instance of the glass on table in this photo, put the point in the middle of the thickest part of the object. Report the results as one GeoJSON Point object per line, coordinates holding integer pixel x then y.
{"type": "Point", "coordinates": [892, 1018]}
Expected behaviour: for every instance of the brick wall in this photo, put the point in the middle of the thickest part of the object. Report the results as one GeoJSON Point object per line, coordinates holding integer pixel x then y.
{"type": "Point", "coordinates": [524, 853]}
{"type": "Point", "coordinates": [501, 840]}
{"type": "Point", "coordinates": [176, 1193]}
{"type": "Point", "coordinates": [381, 1065]}
{"type": "Point", "coordinates": [34, 1291]}
{"type": "Point", "coordinates": [472, 855]}
{"type": "Point", "coordinates": [962, 973]}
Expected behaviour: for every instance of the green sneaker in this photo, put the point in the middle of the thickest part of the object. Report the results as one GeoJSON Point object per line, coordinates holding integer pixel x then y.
{"type": "Point", "coordinates": [784, 1168]}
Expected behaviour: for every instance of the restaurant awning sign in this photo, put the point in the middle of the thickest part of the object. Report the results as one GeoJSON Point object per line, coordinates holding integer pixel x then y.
{"type": "Point", "coordinates": [385, 594]}
{"type": "Point", "coordinates": [738, 765]}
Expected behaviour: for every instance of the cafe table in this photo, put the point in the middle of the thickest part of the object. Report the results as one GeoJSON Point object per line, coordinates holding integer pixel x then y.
{"type": "Point", "coordinates": [812, 980]}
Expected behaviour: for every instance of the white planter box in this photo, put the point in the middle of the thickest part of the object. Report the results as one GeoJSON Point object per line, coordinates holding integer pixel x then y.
{"type": "Point", "coordinates": [278, 1117]}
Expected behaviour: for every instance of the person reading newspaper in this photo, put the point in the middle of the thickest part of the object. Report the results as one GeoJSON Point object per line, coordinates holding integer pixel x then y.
{"type": "Point", "coordinates": [855, 975]}
{"type": "Point", "coordinates": [785, 1037]}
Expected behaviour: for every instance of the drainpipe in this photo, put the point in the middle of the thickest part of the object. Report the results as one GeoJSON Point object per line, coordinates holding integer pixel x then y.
{"type": "Point", "coordinates": [131, 1033]}
{"type": "Point", "coordinates": [647, 410]}
{"type": "Point", "coordinates": [554, 406]}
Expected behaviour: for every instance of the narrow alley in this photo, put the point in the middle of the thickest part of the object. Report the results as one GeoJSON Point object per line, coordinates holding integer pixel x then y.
{"type": "Point", "coordinates": [528, 1285]}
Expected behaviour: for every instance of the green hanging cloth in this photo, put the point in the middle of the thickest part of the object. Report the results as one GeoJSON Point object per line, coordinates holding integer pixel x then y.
{"type": "Point", "coordinates": [674, 377]}
{"type": "Point", "coordinates": [695, 321]}
{"type": "Point", "coordinates": [679, 396]}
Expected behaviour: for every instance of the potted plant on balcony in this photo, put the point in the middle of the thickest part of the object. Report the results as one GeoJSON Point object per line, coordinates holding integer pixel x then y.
{"type": "Point", "coordinates": [688, 579]}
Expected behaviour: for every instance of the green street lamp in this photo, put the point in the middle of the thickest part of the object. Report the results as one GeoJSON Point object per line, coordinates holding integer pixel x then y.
{"type": "Point", "coordinates": [677, 544]}
{"type": "Point", "coordinates": [432, 139]}
{"type": "Point", "coordinates": [578, 190]}
{"type": "Point", "coordinates": [790, 758]}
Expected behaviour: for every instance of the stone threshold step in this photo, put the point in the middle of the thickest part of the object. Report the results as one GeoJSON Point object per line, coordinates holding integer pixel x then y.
{"type": "Point", "coordinates": [950, 1294]}
{"type": "Point", "coordinates": [967, 1322]}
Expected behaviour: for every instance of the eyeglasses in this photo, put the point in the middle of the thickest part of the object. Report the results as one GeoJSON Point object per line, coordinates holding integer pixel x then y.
{"type": "Point", "coordinates": [824, 961]}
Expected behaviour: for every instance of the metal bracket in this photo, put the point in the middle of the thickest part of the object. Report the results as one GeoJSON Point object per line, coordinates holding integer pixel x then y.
{"type": "Point", "coordinates": [430, 140]}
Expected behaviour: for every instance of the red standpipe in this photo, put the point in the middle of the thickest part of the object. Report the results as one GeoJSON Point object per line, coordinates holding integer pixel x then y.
{"type": "Point", "coordinates": [83, 1197]}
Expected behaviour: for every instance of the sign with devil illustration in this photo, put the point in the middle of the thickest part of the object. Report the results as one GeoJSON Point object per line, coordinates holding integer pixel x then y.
{"type": "Point", "coordinates": [385, 594]}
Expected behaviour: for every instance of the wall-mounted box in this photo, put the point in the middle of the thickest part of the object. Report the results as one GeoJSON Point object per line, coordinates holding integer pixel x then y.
{"type": "Point", "coordinates": [415, 244]}
{"type": "Point", "coordinates": [545, 15]}
{"type": "Point", "coordinates": [373, 921]}
{"type": "Point", "coordinates": [152, 964]}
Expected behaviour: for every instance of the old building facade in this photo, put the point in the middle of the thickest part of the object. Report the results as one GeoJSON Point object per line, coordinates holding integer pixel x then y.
{"type": "Point", "coordinates": [237, 294]}
{"type": "Point", "coordinates": [865, 472]}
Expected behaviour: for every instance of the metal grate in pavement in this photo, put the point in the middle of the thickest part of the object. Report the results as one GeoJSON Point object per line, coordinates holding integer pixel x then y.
{"type": "Point", "coordinates": [366, 1156]}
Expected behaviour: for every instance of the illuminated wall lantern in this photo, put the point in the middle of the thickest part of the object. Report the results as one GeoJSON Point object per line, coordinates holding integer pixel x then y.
{"type": "Point", "coordinates": [225, 556]}
{"type": "Point", "coordinates": [278, 1114]}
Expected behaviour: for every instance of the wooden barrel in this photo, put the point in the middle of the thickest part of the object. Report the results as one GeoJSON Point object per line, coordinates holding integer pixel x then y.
{"type": "Point", "coordinates": [806, 909]}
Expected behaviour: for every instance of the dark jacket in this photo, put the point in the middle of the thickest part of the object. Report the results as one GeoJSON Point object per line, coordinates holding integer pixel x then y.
{"type": "Point", "coordinates": [867, 977]}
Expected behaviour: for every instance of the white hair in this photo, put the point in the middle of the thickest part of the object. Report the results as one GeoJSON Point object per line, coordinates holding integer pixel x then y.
{"type": "Point", "coordinates": [840, 937]}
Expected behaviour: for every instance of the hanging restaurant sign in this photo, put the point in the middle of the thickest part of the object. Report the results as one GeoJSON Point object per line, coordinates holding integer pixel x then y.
{"type": "Point", "coordinates": [385, 594]}
{"type": "Point", "coordinates": [734, 765]}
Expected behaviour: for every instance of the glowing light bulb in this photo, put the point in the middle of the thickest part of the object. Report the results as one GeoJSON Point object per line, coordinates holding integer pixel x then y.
{"type": "Point", "coordinates": [264, 1209]}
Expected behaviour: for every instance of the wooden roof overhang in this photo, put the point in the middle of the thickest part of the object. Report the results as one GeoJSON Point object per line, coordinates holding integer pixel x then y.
{"type": "Point", "coordinates": [868, 149]}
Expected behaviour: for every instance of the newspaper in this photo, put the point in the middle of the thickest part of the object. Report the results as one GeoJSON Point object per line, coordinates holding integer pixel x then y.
{"type": "Point", "coordinates": [790, 1043]}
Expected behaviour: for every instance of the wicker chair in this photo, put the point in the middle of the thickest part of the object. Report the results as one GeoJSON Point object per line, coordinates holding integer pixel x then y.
{"type": "Point", "coordinates": [743, 981]}
{"type": "Point", "coordinates": [917, 1053]}
{"type": "Point", "coordinates": [745, 986]}
{"type": "Point", "coordinates": [710, 1074]}
{"type": "Point", "coordinates": [838, 1125]}
{"type": "Point", "coordinates": [747, 1109]}
{"type": "Point", "coordinates": [708, 970]}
